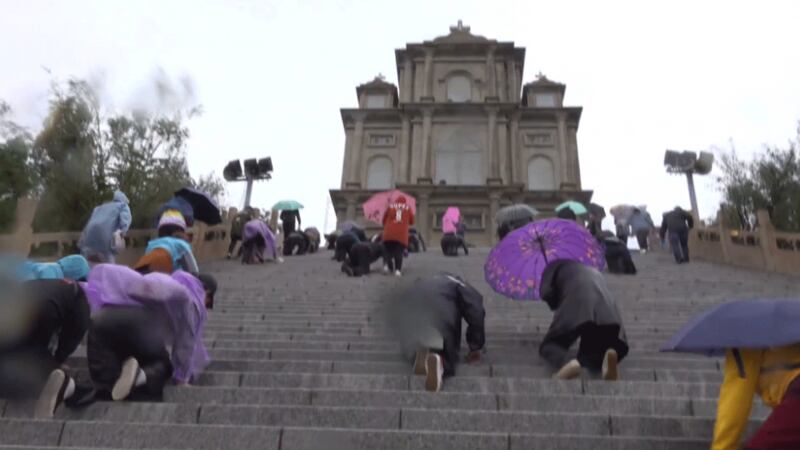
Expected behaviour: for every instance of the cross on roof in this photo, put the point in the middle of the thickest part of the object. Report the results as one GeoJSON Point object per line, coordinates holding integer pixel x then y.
{"type": "Point", "coordinates": [460, 27]}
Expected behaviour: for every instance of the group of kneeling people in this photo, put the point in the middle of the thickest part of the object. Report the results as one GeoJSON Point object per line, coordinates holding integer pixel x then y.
{"type": "Point", "coordinates": [144, 325]}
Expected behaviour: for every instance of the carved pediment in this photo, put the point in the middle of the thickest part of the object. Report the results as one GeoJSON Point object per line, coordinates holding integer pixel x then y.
{"type": "Point", "coordinates": [460, 34]}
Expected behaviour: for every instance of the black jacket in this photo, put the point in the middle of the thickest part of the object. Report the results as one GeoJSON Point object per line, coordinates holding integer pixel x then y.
{"type": "Point", "coordinates": [618, 257]}
{"type": "Point", "coordinates": [365, 253]}
{"type": "Point", "coordinates": [291, 217]}
{"type": "Point", "coordinates": [442, 302]}
{"type": "Point", "coordinates": [676, 221]}
{"type": "Point", "coordinates": [61, 308]}
{"type": "Point", "coordinates": [579, 294]}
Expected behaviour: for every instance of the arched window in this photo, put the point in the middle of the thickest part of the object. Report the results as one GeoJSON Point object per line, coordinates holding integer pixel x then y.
{"type": "Point", "coordinates": [379, 173]}
{"type": "Point", "coordinates": [459, 88]}
{"type": "Point", "coordinates": [541, 174]}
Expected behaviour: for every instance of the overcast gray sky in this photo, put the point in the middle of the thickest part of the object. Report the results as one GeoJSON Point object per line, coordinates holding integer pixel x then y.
{"type": "Point", "coordinates": [271, 76]}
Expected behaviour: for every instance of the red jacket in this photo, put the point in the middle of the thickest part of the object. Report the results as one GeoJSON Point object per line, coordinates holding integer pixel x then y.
{"type": "Point", "coordinates": [396, 222]}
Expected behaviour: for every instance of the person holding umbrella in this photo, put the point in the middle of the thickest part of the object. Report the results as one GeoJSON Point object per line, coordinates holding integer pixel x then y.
{"type": "Point", "coordinates": [290, 216]}
{"type": "Point", "coordinates": [558, 261]}
{"type": "Point", "coordinates": [764, 359]}
{"type": "Point", "coordinates": [396, 223]}
{"type": "Point", "coordinates": [453, 229]}
{"type": "Point", "coordinates": [511, 217]}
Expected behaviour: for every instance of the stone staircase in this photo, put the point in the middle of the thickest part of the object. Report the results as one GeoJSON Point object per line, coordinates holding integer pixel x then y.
{"type": "Point", "coordinates": [301, 360]}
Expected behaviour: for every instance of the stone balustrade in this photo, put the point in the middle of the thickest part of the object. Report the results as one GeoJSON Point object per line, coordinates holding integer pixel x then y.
{"type": "Point", "coordinates": [765, 248]}
{"type": "Point", "coordinates": [208, 242]}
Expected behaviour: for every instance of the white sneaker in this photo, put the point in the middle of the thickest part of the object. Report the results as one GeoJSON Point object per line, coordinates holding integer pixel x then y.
{"type": "Point", "coordinates": [419, 362]}
{"type": "Point", "coordinates": [569, 371]}
{"type": "Point", "coordinates": [397, 273]}
{"type": "Point", "coordinates": [52, 395]}
{"type": "Point", "coordinates": [126, 381]}
{"type": "Point", "coordinates": [434, 371]}
{"type": "Point", "coordinates": [610, 362]}
{"type": "Point", "coordinates": [385, 269]}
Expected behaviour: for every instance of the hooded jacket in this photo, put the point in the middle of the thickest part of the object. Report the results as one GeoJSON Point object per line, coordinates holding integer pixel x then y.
{"type": "Point", "coordinates": [106, 219]}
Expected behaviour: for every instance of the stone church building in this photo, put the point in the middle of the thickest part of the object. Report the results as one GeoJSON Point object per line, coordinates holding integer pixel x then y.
{"type": "Point", "coordinates": [461, 130]}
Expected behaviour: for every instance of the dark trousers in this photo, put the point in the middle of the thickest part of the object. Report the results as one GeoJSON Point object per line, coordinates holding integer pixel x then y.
{"type": "Point", "coordinates": [394, 255]}
{"type": "Point", "coordinates": [642, 236]}
{"type": "Point", "coordinates": [253, 250]}
{"type": "Point", "coordinates": [343, 245]}
{"type": "Point", "coordinates": [595, 341]}
{"type": "Point", "coordinates": [295, 245]}
{"type": "Point", "coordinates": [234, 241]}
{"type": "Point", "coordinates": [781, 430]}
{"type": "Point", "coordinates": [25, 366]}
{"type": "Point", "coordinates": [119, 333]}
{"type": "Point", "coordinates": [288, 228]}
{"type": "Point", "coordinates": [451, 243]}
{"type": "Point", "coordinates": [679, 242]}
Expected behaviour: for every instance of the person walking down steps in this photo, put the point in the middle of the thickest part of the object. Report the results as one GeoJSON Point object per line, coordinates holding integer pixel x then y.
{"type": "Point", "coordinates": [396, 223]}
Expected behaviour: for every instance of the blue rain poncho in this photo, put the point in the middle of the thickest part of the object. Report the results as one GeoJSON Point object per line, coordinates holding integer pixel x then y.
{"type": "Point", "coordinates": [73, 267]}
{"type": "Point", "coordinates": [179, 250]}
{"type": "Point", "coordinates": [98, 235]}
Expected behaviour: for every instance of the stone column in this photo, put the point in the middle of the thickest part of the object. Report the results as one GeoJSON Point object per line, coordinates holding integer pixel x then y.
{"type": "Point", "coordinates": [494, 205]}
{"type": "Point", "coordinates": [425, 175]}
{"type": "Point", "coordinates": [408, 78]}
{"type": "Point", "coordinates": [405, 156]}
{"type": "Point", "coordinates": [350, 213]}
{"type": "Point", "coordinates": [491, 78]}
{"type": "Point", "coordinates": [574, 166]}
{"type": "Point", "coordinates": [511, 69]}
{"type": "Point", "coordinates": [561, 118]}
{"type": "Point", "coordinates": [428, 91]}
{"type": "Point", "coordinates": [502, 147]}
{"type": "Point", "coordinates": [356, 152]}
{"type": "Point", "coordinates": [502, 82]}
{"type": "Point", "coordinates": [423, 220]}
{"type": "Point", "coordinates": [492, 159]}
{"type": "Point", "coordinates": [515, 167]}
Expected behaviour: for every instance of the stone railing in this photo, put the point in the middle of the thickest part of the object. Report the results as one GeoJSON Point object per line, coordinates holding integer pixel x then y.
{"type": "Point", "coordinates": [765, 248]}
{"type": "Point", "coordinates": [208, 242]}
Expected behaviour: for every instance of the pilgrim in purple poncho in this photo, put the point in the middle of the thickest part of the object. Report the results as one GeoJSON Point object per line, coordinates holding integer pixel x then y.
{"type": "Point", "coordinates": [256, 239]}
{"type": "Point", "coordinates": [179, 297]}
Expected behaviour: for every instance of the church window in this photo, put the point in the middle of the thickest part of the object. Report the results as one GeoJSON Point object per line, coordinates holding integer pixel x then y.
{"type": "Point", "coordinates": [541, 174]}
{"type": "Point", "coordinates": [459, 89]}
{"type": "Point", "coordinates": [545, 100]}
{"type": "Point", "coordinates": [379, 173]}
{"type": "Point", "coordinates": [376, 101]}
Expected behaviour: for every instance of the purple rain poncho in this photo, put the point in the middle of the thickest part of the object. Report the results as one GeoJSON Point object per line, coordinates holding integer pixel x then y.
{"type": "Point", "coordinates": [256, 228]}
{"type": "Point", "coordinates": [180, 297]}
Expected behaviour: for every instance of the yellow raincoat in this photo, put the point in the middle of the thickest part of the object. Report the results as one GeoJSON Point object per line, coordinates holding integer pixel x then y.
{"type": "Point", "coordinates": [767, 373]}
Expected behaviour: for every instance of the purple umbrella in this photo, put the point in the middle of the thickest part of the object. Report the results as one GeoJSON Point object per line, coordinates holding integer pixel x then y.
{"type": "Point", "coordinates": [205, 208]}
{"type": "Point", "coordinates": [515, 266]}
{"type": "Point", "coordinates": [751, 324]}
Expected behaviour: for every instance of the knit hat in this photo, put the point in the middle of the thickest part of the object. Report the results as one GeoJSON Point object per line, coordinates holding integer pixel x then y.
{"type": "Point", "coordinates": [172, 217]}
{"type": "Point", "coordinates": [75, 267]}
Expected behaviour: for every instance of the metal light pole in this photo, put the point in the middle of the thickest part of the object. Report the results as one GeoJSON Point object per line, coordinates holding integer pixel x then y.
{"type": "Point", "coordinates": [253, 170]}
{"type": "Point", "coordinates": [689, 163]}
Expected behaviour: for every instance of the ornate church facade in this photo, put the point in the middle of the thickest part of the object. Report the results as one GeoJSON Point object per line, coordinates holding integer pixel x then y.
{"type": "Point", "coordinates": [462, 130]}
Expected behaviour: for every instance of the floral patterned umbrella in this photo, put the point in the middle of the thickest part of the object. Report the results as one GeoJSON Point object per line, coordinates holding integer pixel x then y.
{"type": "Point", "coordinates": [515, 266]}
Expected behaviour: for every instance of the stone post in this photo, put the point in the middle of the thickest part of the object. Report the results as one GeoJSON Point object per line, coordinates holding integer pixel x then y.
{"type": "Point", "coordinates": [502, 81]}
{"type": "Point", "coordinates": [724, 236]}
{"type": "Point", "coordinates": [767, 242]}
{"type": "Point", "coordinates": [425, 176]}
{"type": "Point", "coordinates": [513, 94]}
{"type": "Point", "coordinates": [21, 237]}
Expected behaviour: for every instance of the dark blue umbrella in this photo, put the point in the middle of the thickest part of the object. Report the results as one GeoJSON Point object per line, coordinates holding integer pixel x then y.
{"type": "Point", "coordinates": [751, 324]}
{"type": "Point", "coordinates": [204, 207]}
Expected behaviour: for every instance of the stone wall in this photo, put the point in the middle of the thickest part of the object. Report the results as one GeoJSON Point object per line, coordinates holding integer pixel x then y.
{"type": "Point", "coordinates": [208, 242]}
{"type": "Point", "coordinates": [764, 248]}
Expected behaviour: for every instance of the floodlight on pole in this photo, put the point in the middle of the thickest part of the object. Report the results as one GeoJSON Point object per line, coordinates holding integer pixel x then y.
{"type": "Point", "coordinates": [689, 163]}
{"type": "Point", "coordinates": [254, 170]}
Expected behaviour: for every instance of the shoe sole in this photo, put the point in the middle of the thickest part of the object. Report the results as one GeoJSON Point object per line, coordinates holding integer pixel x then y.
{"type": "Point", "coordinates": [610, 366]}
{"type": "Point", "coordinates": [420, 359]}
{"type": "Point", "coordinates": [124, 385]}
{"type": "Point", "coordinates": [432, 381]}
{"type": "Point", "coordinates": [48, 399]}
{"type": "Point", "coordinates": [568, 372]}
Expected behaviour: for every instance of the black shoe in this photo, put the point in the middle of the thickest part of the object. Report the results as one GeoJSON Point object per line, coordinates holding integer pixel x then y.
{"type": "Point", "coordinates": [52, 395]}
{"type": "Point", "coordinates": [83, 396]}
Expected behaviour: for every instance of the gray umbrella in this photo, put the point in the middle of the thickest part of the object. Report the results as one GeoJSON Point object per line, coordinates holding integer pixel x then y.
{"type": "Point", "coordinates": [515, 213]}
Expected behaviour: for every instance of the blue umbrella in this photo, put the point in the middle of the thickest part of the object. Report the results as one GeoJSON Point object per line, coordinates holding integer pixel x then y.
{"type": "Point", "coordinates": [751, 324]}
{"type": "Point", "coordinates": [287, 205]}
{"type": "Point", "coordinates": [204, 207]}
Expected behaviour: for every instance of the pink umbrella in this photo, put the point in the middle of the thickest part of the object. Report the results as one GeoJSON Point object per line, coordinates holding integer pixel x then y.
{"type": "Point", "coordinates": [451, 217]}
{"type": "Point", "coordinates": [376, 206]}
